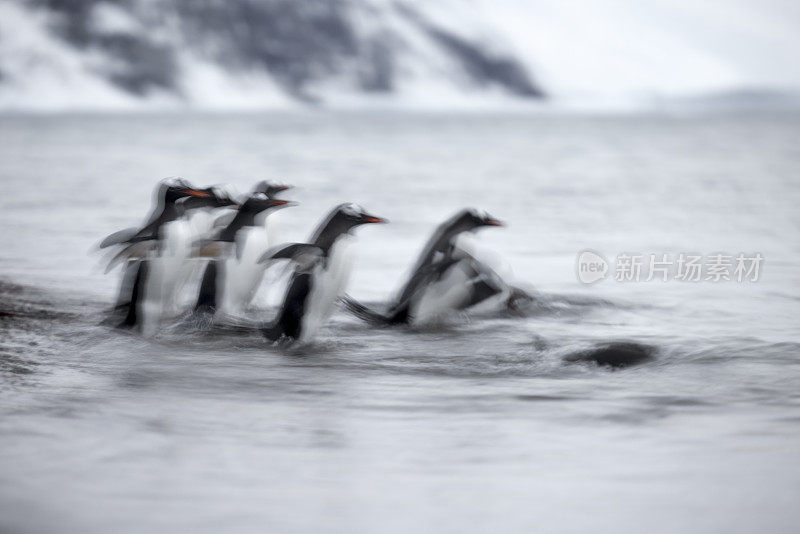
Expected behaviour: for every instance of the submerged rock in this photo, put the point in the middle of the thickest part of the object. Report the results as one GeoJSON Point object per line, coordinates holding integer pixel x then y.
{"type": "Point", "coordinates": [615, 354]}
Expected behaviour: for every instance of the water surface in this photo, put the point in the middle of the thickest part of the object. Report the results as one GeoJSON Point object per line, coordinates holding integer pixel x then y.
{"type": "Point", "coordinates": [475, 424]}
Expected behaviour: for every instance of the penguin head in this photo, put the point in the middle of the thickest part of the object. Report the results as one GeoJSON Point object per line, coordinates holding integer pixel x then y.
{"type": "Point", "coordinates": [341, 220]}
{"type": "Point", "coordinates": [352, 215]}
{"type": "Point", "coordinates": [210, 197]}
{"type": "Point", "coordinates": [252, 212]}
{"type": "Point", "coordinates": [261, 202]}
{"type": "Point", "coordinates": [171, 191]}
{"type": "Point", "coordinates": [271, 189]}
{"type": "Point", "coordinates": [471, 219]}
{"type": "Point", "coordinates": [222, 198]}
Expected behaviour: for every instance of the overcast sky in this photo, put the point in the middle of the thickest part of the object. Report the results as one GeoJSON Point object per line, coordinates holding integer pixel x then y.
{"type": "Point", "coordinates": [672, 46]}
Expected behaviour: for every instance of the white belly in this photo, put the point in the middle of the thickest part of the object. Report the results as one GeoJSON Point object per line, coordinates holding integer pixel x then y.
{"type": "Point", "coordinates": [329, 283]}
{"type": "Point", "coordinates": [163, 271]}
{"type": "Point", "coordinates": [440, 298]}
{"type": "Point", "coordinates": [453, 292]}
{"type": "Point", "coordinates": [197, 226]}
{"type": "Point", "coordinates": [448, 294]}
{"type": "Point", "coordinates": [242, 276]}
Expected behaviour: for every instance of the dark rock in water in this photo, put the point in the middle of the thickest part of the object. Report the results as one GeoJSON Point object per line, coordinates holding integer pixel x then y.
{"type": "Point", "coordinates": [28, 324]}
{"type": "Point", "coordinates": [617, 355]}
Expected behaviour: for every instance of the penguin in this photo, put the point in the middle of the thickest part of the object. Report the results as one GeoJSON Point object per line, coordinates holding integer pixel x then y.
{"type": "Point", "coordinates": [275, 220]}
{"type": "Point", "coordinates": [172, 261]}
{"type": "Point", "coordinates": [230, 282]}
{"type": "Point", "coordinates": [198, 220]}
{"type": "Point", "coordinates": [321, 273]}
{"type": "Point", "coordinates": [137, 241]}
{"type": "Point", "coordinates": [167, 195]}
{"type": "Point", "coordinates": [271, 189]}
{"type": "Point", "coordinates": [266, 187]}
{"type": "Point", "coordinates": [445, 277]}
{"type": "Point", "coordinates": [155, 253]}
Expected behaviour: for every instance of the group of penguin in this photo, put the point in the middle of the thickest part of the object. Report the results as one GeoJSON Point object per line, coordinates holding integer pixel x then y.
{"type": "Point", "coordinates": [203, 254]}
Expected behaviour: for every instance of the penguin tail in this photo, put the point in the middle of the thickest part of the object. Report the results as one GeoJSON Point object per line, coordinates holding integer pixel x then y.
{"type": "Point", "coordinates": [366, 314]}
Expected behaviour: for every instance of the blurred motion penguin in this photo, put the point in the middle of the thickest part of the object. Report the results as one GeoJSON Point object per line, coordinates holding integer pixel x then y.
{"type": "Point", "coordinates": [321, 272]}
{"type": "Point", "coordinates": [230, 281]}
{"type": "Point", "coordinates": [445, 278]}
{"type": "Point", "coordinates": [155, 254]}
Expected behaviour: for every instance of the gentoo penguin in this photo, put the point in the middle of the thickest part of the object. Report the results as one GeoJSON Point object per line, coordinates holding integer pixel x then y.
{"type": "Point", "coordinates": [162, 246]}
{"type": "Point", "coordinates": [166, 197]}
{"type": "Point", "coordinates": [271, 189]}
{"type": "Point", "coordinates": [198, 221]}
{"type": "Point", "coordinates": [266, 187]}
{"type": "Point", "coordinates": [445, 277]}
{"type": "Point", "coordinates": [320, 276]}
{"type": "Point", "coordinates": [229, 282]}
{"type": "Point", "coordinates": [274, 221]}
{"type": "Point", "coordinates": [171, 262]}
{"type": "Point", "coordinates": [136, 242]}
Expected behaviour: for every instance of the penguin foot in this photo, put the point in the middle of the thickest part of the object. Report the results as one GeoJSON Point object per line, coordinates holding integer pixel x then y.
{"type": "Point", "coordinates": [273, 331]}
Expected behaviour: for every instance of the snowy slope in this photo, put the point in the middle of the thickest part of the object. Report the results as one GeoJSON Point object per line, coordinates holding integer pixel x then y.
{"type": "Point", "coordinates": [229, 54]}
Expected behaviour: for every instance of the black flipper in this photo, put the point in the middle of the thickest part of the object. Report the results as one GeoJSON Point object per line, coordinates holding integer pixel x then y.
{"type": "Point", "coordinates": [134, 250]}
{"type": "Point", "coordinates": [480, 289]}
{"type": "Point", "coordinates": [484, 281]}
{"type": "Point", "coordinates": [116, 238]}
{"type": "Point", "coordinates": [298, 252]}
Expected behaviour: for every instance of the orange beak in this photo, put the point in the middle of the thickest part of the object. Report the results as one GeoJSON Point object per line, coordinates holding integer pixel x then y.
{"type": "Point", "coordinates": [371, 219]}
{"type": "Point", "coordinates": [493, 222]}
{"type": "Point", "coordinates": [196, 193]}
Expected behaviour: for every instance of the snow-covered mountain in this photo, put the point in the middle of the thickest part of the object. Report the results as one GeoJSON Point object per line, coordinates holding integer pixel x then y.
{"type": "Point", "coordinates": [132, 54]}
{"type": "Point", "coordinates": [263, 53]}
